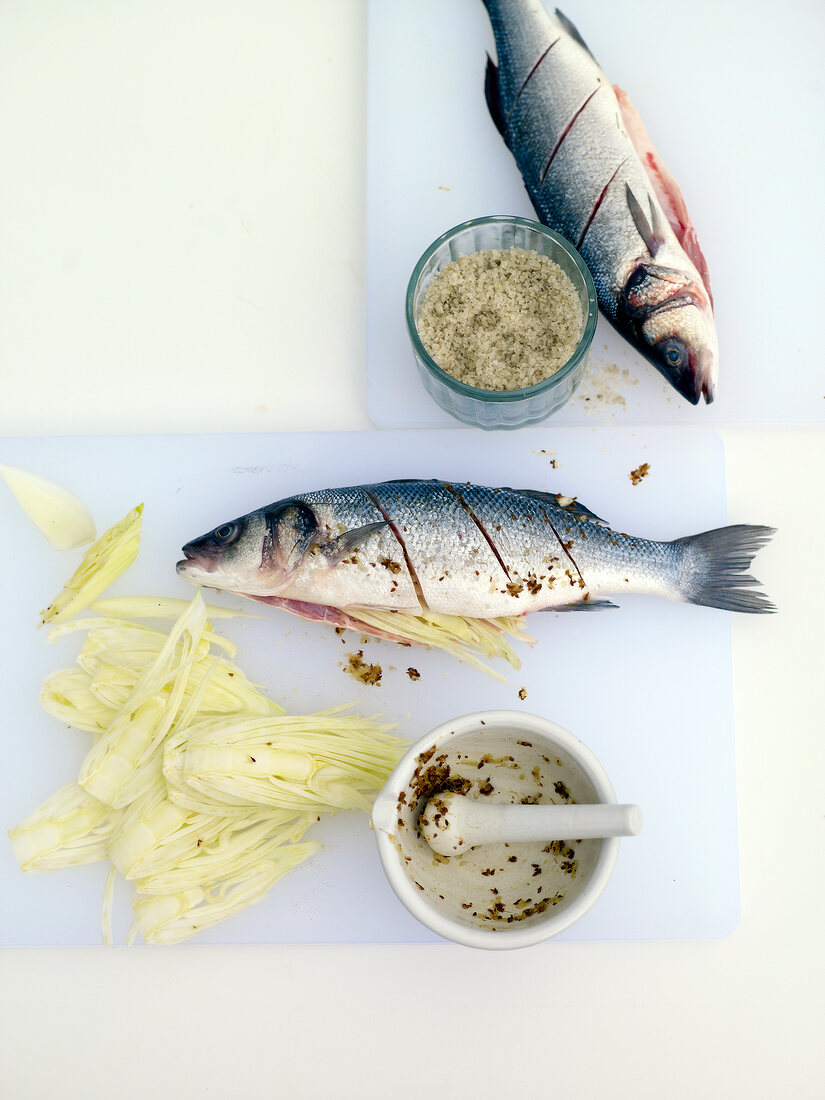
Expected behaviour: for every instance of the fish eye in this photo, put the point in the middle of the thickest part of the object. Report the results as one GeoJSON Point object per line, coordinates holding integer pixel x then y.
{"type": "Point", "coordinates": [674, 354]}
{"type": "Point", "coordinates": [227, 532]}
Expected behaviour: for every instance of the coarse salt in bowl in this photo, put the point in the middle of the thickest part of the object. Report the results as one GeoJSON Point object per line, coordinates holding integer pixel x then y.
{"type": "Point", "coordinates": [488, 408]}
{"type": "Point", "coordinates": [497, 895]}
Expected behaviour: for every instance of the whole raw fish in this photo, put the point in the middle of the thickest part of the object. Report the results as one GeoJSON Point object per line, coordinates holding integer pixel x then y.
{"type": "Point", "coordinates": [594, 176]}
{"type": "Point", "coordinates": [459, 549]}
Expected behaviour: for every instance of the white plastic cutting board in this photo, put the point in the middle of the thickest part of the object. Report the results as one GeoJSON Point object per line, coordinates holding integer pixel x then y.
{"type": "Point", "coordinates": [746, 148]}
{"type": "Point", "coordinates": [647, 687]}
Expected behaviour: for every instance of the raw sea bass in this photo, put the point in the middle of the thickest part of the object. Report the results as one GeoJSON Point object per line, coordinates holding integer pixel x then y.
{"type": "Point", "coordinates": [415, 547]}
{"type": "Point", "coordinates": [594, 177]}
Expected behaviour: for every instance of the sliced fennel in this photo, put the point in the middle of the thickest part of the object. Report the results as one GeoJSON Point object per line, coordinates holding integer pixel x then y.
{"type": "Point", "coordinates": [298, 762]}
{"type": "Point", "coordinates": [102, 563]}
{"type": "Point", "coordinates": [69, 828]}
{"type": "Point", "coordinates": [154, 836]}
{"type": "Point", "coordinates": [172, 917]}
{"type": "Point", "coordinates": [112, 770]}
{"type": "Point", "coordinates": [68, 696]}
{"type": "Point", "coordinates": [112, 658]}
{"type": "Point", "coordinates": [463, 638]}
{"type": "Point", "coordinates": [58, 514]}
{"type": "Point", "coordinates": [193, 856]}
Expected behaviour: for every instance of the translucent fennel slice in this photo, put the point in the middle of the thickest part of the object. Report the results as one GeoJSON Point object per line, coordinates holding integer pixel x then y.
{"type": "Point", "coordinates": [159, 607]}
{"type": "Point", "coordinates": [58, 514]}
{"type": "Point", "coordinates": [172, 917]}
{"type": "Point", "coordinates": [112, 768]}
{"type": "Point", "coordinates": [102, 563]}
{"type": "Point", "coordinates": [69, 828]}
{"type": "Point", "coordinates": [68, 696]}
{"type": "Point", "coordinates": [463, 638]}
{"type": "Point", "coordinates": [296, 762]}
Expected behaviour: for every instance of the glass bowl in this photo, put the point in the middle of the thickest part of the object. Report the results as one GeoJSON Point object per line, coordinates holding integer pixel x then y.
{"type": "Point", "coordinates": [501, 408]}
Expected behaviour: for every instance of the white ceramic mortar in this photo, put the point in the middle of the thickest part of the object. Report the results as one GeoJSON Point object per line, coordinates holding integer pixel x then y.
{"type": "Point", "coordinates": [495, 896]}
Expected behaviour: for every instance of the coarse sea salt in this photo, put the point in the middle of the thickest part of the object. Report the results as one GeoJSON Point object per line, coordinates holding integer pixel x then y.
{"type": "Point", "coordinates": [501, 319]}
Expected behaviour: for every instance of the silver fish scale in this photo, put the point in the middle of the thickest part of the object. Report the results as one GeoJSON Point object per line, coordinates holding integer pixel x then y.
{"type": "Point", "coordinates": [531, 35]}
{"type": "Point", "coordinates": [453, 562]}
{"type": "Point", "coordinates": [342, 509]}
{"type": "Point", "coordinates": [614, 562]}
{"type": "Point", "coordinates": [529, 535]}
{"type": "Point", "coordinates": [529, 116]}
{"type": "Point", "coordinates": [569, 92]}
{"type": "Point", "coordinates": [544, 105]}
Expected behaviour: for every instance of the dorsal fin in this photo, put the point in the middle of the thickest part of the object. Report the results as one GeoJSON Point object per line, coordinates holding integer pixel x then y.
{"type": "Point", "coordinates": [575, 507]}
{"type": "Point", "coordinates": [493, 97]}
{"type": "Point", "coordinates": [573, 31]}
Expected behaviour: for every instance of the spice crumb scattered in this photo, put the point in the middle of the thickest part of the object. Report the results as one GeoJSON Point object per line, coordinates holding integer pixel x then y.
{"type": "Point", "coordinates": [501, 319]}
{"type": "Point", "coordinates": [522, 694]}
{"type": "Point", "coordinates": [358, 668]}
{"type": "Point", "coordinates": [553, 462]}
{"type": "Point", "coordinates": [413, 673]}
{"type": "Point", "coordinates": [640, 473]}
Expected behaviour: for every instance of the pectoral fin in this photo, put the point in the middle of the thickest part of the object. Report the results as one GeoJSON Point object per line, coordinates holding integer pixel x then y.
{"type": "Point", "coordinates": [653, 241]}
{"type": "Point", "coordinates": [343, 545]}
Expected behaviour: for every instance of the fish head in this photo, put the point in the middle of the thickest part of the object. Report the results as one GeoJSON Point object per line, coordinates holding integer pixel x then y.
{"type": "Point", "coordinates": [671, 314]}
{"type": "Point", "coordinates": [257, 554]}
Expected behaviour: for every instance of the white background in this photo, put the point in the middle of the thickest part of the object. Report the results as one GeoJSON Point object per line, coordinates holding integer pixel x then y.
{"type": "Point", "coordinates": [182, 249]}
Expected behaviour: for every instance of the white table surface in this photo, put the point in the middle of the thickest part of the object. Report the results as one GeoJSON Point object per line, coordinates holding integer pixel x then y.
{"type": "Point", "coordinates": [182, 249]}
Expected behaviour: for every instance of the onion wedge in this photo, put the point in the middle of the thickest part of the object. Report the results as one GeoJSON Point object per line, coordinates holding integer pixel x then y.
{"type": "Point", "coordinates": [58, 514]}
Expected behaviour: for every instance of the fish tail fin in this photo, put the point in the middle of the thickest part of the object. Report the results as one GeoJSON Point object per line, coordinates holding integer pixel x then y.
{"type": "Point", "coordinates": [714, 568]}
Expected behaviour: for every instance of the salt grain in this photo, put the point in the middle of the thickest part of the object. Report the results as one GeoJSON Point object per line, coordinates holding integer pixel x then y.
{"type": "Point", "coordinates": [501, 319]}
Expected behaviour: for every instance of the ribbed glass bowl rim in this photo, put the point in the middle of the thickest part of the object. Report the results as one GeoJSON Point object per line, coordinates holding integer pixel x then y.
{"type": "Point", "coordinates": [528, 391]}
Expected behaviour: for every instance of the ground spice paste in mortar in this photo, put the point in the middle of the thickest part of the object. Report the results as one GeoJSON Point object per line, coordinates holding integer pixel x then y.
{"type": "Point", "coordinates": [501, 318]}
{"type": "Point", "coordinates": [499, 884]}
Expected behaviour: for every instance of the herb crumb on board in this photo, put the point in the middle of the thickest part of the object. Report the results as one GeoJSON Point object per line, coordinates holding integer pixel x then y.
{"type": "Point", "coordinates": [358, 668]}
{"type": "Point", "coordinates": [640, 473]}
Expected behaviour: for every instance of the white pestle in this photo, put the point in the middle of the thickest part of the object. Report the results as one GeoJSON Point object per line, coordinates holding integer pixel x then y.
{"type": "Point", "coordinates": [452, 823]}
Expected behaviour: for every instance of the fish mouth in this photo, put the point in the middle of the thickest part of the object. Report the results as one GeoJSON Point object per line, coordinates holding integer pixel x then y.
{"type": "Point", "coordinates": [196, 561]}
{"type": "Point", "coordinates": [689, 385]}
{"type": "Point", "coordinates": [699, 381]}
{"type": "Point", "coordinates": [694, 379]}
{"type": "Point", "coordinates": [707, 374]}
{"type": "Point", "coordinates": [693, 386]}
